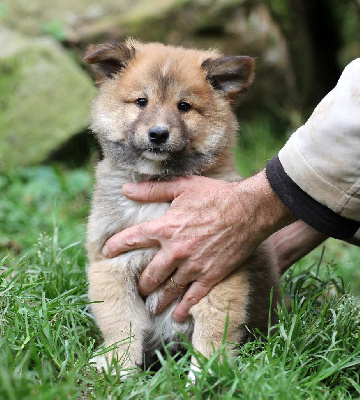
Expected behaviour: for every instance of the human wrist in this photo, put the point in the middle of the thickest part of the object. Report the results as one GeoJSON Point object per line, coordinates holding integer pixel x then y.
{"type": "Point", "coordinates": [269, 213]}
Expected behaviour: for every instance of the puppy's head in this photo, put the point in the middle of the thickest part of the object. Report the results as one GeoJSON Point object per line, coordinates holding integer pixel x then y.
{"type": "Point", "coordinates": [165, 110]}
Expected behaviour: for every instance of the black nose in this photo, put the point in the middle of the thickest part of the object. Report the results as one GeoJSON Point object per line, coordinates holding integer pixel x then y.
{"type": "Point", "coordinates": [158, 134]}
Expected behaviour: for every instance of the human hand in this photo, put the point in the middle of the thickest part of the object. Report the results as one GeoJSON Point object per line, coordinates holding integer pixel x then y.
{"type": "Point", "coordinates": [211, 227]}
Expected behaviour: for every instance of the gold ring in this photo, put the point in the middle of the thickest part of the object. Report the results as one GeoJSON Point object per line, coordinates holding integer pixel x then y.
{"type": "Point", "coordinates": [177, 285]}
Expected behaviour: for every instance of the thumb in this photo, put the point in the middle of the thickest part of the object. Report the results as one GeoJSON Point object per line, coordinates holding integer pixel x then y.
{"type": "Point", "coordinates": [154, 191]}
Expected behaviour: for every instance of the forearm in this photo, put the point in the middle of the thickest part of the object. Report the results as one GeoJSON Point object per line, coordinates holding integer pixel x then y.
{"type": "Point", "coordinates": [294, 242]}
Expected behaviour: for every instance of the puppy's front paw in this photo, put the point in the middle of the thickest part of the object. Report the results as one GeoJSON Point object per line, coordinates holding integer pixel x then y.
{"type": "Point", "coordinates": [101, 363]}
{"type": "Point", "coordinates": [105, 363]}
{"type": "Point", "coordinates": [191, 375]}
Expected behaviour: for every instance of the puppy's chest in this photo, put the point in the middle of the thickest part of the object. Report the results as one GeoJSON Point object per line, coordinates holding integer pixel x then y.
{"type": "Point", "coordinates": [129, 213]}
{"type": "Point", "coordinates": [112, 212]}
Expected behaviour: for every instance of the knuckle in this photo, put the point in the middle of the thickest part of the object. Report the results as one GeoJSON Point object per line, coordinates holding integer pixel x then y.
{"type": "Point", "coordinates": [130, 240]}
{"type": "Point", "coordinates": [179, 252]}
{"type": "Point", "coordinates": [166, 229]}
{"type": "Point", "coordinates": [191, 300]}
{"type": "Point", "coordinates": [150, 190]}
{"type": "Point", "coordinates": [195, 270]}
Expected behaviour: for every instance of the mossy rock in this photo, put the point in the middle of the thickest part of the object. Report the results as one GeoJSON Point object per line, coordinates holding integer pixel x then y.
{"type": "Point", "coordinates": [45, 98]}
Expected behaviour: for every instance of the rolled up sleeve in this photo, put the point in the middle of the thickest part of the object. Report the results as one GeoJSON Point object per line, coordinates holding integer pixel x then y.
{"type": "Point", "coordinates": [317, 173]}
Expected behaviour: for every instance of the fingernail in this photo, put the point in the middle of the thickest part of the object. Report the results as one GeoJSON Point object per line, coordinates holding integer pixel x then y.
{"type": "Point", "coordinates": [129, 188]}
{"type": "Point", "coordinates": [105, 251]}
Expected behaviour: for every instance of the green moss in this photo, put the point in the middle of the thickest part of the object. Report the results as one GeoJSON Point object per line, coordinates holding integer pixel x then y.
{"type": "Point", "coordinates": [9, 75]}
{"type": "Point", "coordinates": [45, 100]}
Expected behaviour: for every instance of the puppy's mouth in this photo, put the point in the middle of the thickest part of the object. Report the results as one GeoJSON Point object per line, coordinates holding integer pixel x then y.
{"type": "Point", "coordinates": [159, 152]}
{"type": "Point", "coordinates": [156, 154]}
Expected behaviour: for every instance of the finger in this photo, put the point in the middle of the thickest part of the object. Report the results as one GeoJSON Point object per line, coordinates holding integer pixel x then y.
{"type": "Point", "coordinates": [135, 237]}
{"type": "Point", "coordinates": [159, 269]}
{"type": "Point", "coordinates": [151, 191]}
{"type": "Point", "coordinates": [171, 290]}
{"type": "Point", "coordinates": [193, 295]}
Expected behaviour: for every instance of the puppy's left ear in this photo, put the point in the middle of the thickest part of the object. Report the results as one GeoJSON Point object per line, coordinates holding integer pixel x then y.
{"type": "Point", "coordinates": [230, 74]}
{"type": "Point", "coordinates": [108, 59]}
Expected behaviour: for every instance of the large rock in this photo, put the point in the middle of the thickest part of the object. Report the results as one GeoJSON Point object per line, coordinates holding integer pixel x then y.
{"type": "Point", "coordinates": [232, 26]}
{"type": "Point", "coordinates": [297, 44]}
{"type": "Point", "coordinates": [44, 96]}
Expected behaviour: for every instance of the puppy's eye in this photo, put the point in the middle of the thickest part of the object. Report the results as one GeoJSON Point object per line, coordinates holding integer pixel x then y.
{"type": "Point", "coordinates": [141, 103]}
{"type": "Point", "coordinates": [184, 106]}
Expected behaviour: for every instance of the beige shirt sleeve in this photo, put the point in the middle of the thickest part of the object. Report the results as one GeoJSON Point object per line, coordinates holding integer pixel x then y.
{"type": "Point", "coordinates": [323, 156]}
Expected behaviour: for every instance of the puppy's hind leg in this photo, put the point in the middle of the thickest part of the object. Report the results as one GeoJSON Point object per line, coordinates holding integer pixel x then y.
{"type": "Point", "coordinates": [120, 313]}
{"type": "Point", "coordinates": [227, 301]}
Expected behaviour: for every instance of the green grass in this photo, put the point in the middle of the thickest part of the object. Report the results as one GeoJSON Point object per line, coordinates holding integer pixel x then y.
{"type": "Point", "coordinates": [47, 334]}
{"type": "Point", "coordinates": [256, 145]}
{"type": "Point", "coordinates": [48, 337]}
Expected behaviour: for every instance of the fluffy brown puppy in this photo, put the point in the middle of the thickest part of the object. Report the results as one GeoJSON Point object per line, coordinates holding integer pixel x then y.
{"type": "Point", "coordinates": [163, 112]}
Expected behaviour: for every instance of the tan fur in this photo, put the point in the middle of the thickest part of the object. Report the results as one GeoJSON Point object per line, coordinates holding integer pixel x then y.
{"type": "Point", "coordinates": [199, 142]}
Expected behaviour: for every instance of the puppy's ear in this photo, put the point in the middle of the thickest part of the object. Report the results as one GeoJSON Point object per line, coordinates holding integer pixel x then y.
{"type": "Point", "coordinates": [231, 74]}
{"type": "Point", "coordinates": [108, 59]}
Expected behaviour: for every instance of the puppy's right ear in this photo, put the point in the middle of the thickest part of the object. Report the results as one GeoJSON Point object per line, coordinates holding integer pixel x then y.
{"type": "Point", "coordinates": [108, 59]}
